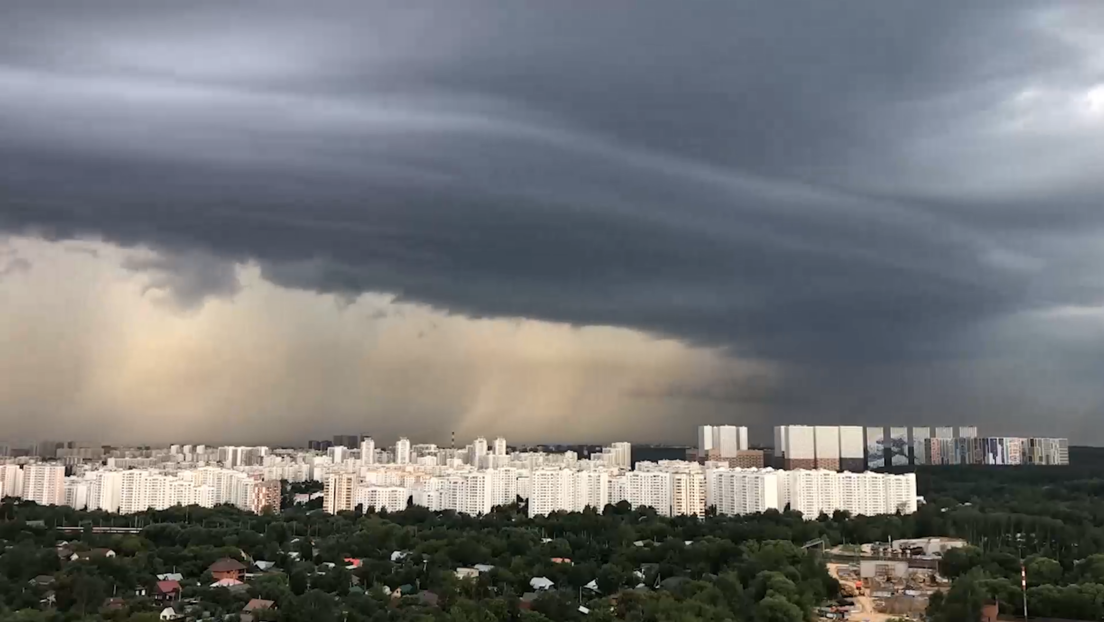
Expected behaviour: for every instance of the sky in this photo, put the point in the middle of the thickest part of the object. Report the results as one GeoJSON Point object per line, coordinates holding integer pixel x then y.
{"type": "Point", "coordinates": [559, 222]}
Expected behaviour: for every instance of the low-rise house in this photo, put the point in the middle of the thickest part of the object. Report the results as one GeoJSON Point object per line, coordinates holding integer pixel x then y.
{"type": "Point", "coordinates": [92, 554]}
{"type": "Point", "coordinates": [541, 583]}
{"type": "Point", "coordinates": [467, 573]}
{"type": "Point", "coordinates": [257, 604]}
{"type": "Point", "coordinates": [227, 568]}
{"type": "Point", "coordinates": [167, 590]}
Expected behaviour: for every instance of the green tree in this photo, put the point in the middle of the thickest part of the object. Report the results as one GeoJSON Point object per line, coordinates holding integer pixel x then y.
{"type": "Point", "coordinates": [1042, 570]}
{"type": "Point", "coordinates": [777, 609]}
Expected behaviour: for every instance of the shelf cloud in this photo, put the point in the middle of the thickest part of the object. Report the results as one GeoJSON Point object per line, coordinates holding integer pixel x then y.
{"type": "Point", "coordinates": [858, 212]}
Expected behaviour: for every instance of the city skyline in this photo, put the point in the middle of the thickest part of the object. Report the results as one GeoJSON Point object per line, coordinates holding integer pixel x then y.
{"type": "Point", "coordinates": [555, 223]}
{"type": "Point", "coordinates": [472, 480]}
{"type": "Point", "coordinates": [743, 437]}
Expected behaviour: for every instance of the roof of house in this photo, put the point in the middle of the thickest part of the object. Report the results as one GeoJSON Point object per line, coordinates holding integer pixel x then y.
{"type": "Point", "coordinates": [429, 598]}
{"type": "Point", "coordinates": [226, 564]}
{"type": "Point", "coordinates": [540, 583]}
{"type": "Point", "coordinates": [463, 572]}
{"type": "Point", "coordinates": [168, 587]}
{"type": "Point", "coordinates": [258, 603]}
{"type": "Point", "coordinates": [227, 583]}
{"type": "Point", "coordinates": [170, 576]}
{"type": "Point", "coordinates": [85, 555]}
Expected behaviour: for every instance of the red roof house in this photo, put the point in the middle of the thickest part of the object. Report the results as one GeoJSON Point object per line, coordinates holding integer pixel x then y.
{"type": "Point", "coordinates": [227, 568]}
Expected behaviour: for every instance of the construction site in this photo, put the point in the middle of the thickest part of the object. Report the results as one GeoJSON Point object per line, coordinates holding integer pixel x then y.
{"type": "Point", "coordinates": [880, 582]}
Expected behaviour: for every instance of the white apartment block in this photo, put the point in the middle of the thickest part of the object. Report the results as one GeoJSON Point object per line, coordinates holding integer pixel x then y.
{"type": "Point", "coordinates": [339, 492]}
{"type": "Point", "coordinates": [723, 440]}
{"type": "Point", "coordinates": [852, 447]}
{"type": "Point", "coordinates": [138, 490]}
{"type": "Point", "coordinates": [402, 451]}
{"type": "Point", "coordinates": [76, 492]}
{"type": "Point", "coordinates": [367, 451]}
{"type": "Point", "coordinates": [44, 484]}
{"type": "Point", "coordinates": [390, 498]}
{"type": "Point", "coordinates": [688, 493]}
{"type": "Point", "coordinates": [479, 452]}
{"type": "Point", "coordinates": [551, 490]}
{"type": "Point", "coordinates": [468, 493]}
{"type": "Point", "coordinates": [291, 471]}
{"type": "Point", "coordinates": [651, 489]}
{"type": "Point", "coordinates": [11, 480]}
{"type": "Point", "coordinates": [742, 491]}
{"type": "Point", "coordinates": [105, 490]}
{"type": "Point", "coordinates": [618, 489]}
{"type": "Point", "coordinates": [504, 485]}
{"type": "Point", "coordinates": [811, 492]}
{"type": "Point", "coordinates": [705, 439]}
{"type": "Point", "coordinates": [823, 492]}
{"type": "Point", "coordinates": [591, 490]}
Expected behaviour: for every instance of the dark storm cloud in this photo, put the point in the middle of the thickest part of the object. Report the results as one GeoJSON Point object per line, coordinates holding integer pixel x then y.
{"type": "Point", "coordinates": [859, 184]}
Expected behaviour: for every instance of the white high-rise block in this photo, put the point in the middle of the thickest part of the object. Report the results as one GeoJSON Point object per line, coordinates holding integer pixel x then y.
{"type": "Point", "coordinates": [651, 489]}
{"type": "Point", "coordinates": [729, 440]}
{"type": "Point", "coordinates": [742, 491]}
{"type": "Point", "coordinates": [622, 455]}
{"type": "Point", "coordinates": [705, 439]}
{"type": "Point", "coordinates": [339, 492]}
{"type": "Point", "coordinates": [504, 485]}
{"type": "Point", "coordinates": [811, 492]}
{"type": "Point", "coordinates": [479, 449]}
{"type": "Point", "coordinates": [852, 443]}
{"type": "Point", "coordinates": [688, 493]}
{"type": "Point", "coordinates": [11, 480]}
{"type": "Point", "coordinates": [551, 490]}
{"type": "Point", "coordinates": [367, 451]}
{"type": "Point", "coordinates": [390, 498]}
{"type": "Point", "coordinates": [44, 484]}
{"type": "Point", "coordinates": [76, 492]}
{"type": "Point", "coordinates": [827, 439]}
{"type": "Point", "coordinates": [402, 451]}
{"type": "Point", "coordinates": [591, 490]}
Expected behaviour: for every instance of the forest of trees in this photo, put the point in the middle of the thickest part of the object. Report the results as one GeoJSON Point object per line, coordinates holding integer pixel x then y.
{"type": "Point", "coordinates": [1050, 520]}
{"type": "Point", "coordinates": [644, 567]}
{"type": "Point", "coordinates": [745, 568]}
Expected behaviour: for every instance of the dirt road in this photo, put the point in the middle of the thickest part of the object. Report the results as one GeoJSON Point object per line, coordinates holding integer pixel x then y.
{"type": "Point", "coordinates": [868, 612]}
